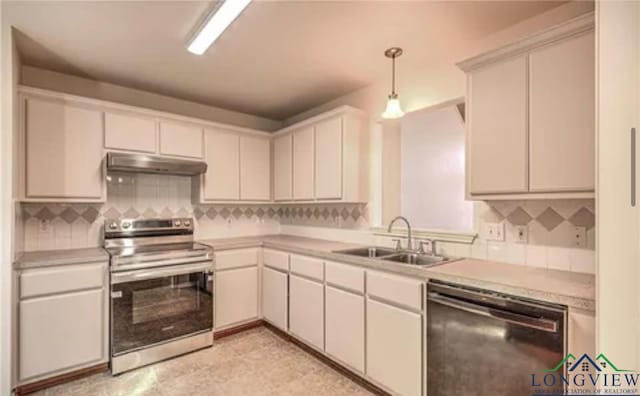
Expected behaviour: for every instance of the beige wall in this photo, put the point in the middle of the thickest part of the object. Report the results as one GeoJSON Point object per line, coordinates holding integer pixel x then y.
{"type": "Point", "coordinates": [46, 79]}
{"type": "Point", "coordinates": [422, 88]}
{"type": "Point", "coordinates": [9, 73]}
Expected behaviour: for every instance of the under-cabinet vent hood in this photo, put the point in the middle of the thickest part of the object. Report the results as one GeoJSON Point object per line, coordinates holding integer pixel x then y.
{"type": "Point", "coordinates": [141, 163]}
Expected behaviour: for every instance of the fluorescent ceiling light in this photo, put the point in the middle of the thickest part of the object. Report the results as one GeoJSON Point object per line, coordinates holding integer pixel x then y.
{"type": "Point", "coordinates": [215, 24]}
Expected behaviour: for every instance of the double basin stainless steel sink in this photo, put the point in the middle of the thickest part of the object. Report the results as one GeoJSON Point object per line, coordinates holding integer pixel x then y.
{"type": "Point", "coordinates": [398, 256]}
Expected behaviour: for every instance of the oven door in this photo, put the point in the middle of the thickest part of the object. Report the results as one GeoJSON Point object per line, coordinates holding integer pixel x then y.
{"type": "Point", "coordinates": [156, 305]}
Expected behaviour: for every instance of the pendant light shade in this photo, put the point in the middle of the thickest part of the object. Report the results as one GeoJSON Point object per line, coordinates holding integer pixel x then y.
{"type": "Point", "coordinates": [393, 109]}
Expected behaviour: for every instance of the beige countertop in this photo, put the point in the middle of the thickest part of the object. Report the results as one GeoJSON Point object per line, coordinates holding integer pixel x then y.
{"type": "Point", "coordinates": [47, 258]}
{"type": "Point", "coordinates": [575, 290]}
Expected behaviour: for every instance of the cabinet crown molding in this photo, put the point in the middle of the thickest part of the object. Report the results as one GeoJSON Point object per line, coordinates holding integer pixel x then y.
{"type": "Point", "coordinates": [320, 117]}
{"type": "Point", "coordinates": [571, 27]}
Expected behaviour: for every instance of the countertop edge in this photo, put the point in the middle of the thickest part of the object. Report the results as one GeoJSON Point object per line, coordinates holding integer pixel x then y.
{"type": "Point", "coordinates": [425, 274]}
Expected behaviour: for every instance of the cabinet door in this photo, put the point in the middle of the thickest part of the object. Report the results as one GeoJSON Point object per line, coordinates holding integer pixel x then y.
{"type": "Point", "coordinates": [497, 128]}
{"type": "Point", "coordinates": [130, 132]}
{"type": "Point", "coordinates": [222, 180]}
{"type": "Point", "coordinates": [344, 331]}
{"type": "Point", "coordinates": [328, 159]}
{"type": "Point", "coordinates": [255, 169]}
{"type": "Point", "coordinates": [562, 116]}
{"type": "Point", "coordinates": [60, 332]}
{"type": "Point", "coordinates": [394, 348]}
{"type": "Point", "coordinates": [274, 297]}
{"type": "Point", "coordinates": [303, 164]}
{"type": "Point", "coordinates": [282, 168]}
{"type": "Point", "coordinates": [306, 310]}
{"type": "Point", "coordinates": [236, 297]}
{"type": "Point", "coordinates": [180, 139]}
{"type": "Point", "coordinates": [63, 151]}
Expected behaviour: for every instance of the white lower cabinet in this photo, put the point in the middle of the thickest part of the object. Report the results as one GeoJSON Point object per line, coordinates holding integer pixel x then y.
{"type": "Point", "coordinates": [306, 310]}
{"type": "Point", "coordinates": [344, 327]}
{"type": "Point", "coordinates": [60, 332]}
{"type": "Point", "coordinates": [236, 298]}
{"type": "Point", "coordinates": [394, 348]}
{"type": "Point", "coordinates": [274, 297]}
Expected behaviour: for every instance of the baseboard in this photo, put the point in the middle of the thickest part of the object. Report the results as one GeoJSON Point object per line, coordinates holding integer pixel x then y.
{"type": "Point", "coordinates": [336, 366]}
{"type": "Point", "coordinates": [237, 329]}
{"type": "Point", "coordinates": [60, 379]}
{"type": "Point", "coordinates": [74, 375]}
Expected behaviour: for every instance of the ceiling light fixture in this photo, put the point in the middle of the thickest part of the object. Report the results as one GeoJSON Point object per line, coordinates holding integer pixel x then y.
{"type": "Point", "coordinates": [393, 109]}
{"type": "Point", "coordinates": [214, 24]}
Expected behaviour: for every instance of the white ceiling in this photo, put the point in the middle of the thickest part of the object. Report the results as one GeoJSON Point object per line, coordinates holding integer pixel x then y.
{"type": "Point", "coordinates": [277, 59]}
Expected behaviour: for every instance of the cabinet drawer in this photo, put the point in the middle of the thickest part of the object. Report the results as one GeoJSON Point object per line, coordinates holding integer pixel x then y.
{"type": "Point", "coordinates": [236, 258]}
{"type": "Point", "coordinates": [395, 289]}
{"type": "Point", "coordinates": [307, 266]}
{"type": "Point", "coordinates": [52, 280]}
{"type": "Point", "coordinates": [346, 276]}
{"type": "Point", "coordinates": [276, 259]}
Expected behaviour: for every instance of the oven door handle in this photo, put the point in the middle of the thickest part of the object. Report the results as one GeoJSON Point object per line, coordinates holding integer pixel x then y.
{"type": "Point", "coordinates": [132, 276]}
{"type": "Point", "coordinates": [550, 326]}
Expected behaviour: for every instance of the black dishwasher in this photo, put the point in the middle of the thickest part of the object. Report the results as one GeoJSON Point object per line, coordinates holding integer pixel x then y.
{"type": "Point", "coordinates": [481, 343]}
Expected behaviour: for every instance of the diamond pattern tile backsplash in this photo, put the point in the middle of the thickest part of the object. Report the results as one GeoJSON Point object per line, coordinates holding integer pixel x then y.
{"type": "Point", "coordinates": [149, 196]}
{"type": "Point", "coordinates": [549, 223]}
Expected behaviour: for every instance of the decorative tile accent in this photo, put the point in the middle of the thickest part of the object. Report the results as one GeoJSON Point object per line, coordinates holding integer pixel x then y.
{"type": "Point", "coordinates": [112, 214]}
{"type": "Point", "coordinates": [69, 215]}
{"type": "Point", "coordinates": [225, 213]}
{"type": "Point", "coordinates": [45, 214]}
{"type": "Point", "coordinates": [519, 217]}
{"type": "Point", "coordinates": [550, 219]}
{"type": "Point", "coordinates": [90, 215]}
{"type": "Point", "coordinates": [212, 213]}
{"type": "Point", "coordinates": [149, 214]}
{"type": "Point", "coordinates": [131, 213]}
{"type": "Point", "coordinates": [583, 218]}
{"type": "Point", "coordinates": [549, 222]}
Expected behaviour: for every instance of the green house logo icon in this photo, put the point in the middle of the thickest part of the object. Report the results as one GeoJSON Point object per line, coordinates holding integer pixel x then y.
{"type": "Point", "coordinates": [586, 363]}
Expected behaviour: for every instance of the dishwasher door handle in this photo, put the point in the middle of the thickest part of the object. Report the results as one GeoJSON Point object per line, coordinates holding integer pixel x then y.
{"type": "Point", "coordinates": [550, 326]}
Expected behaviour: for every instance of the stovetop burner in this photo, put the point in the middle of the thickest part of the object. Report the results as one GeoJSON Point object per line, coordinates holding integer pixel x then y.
{"type": "Point", "coordinates": [136, 244]}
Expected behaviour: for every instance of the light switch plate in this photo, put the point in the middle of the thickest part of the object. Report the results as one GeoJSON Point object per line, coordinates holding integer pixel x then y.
{"type": "Point", "coordinates": [580, 236]}
{"type": "Point", "coordinates": [495, 231]}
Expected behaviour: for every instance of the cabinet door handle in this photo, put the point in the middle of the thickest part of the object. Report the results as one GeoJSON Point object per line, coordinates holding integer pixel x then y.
{"type": "Point", "coordinates": [633, 167]}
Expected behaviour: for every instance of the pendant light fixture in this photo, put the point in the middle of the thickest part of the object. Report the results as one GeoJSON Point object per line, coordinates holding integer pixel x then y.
{"type": "Point", "coordinates": [393, 109]}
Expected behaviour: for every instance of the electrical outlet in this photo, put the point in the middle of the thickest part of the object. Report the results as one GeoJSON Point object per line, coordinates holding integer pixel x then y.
{"type": "Point", "coordinates": [43, 225]}
{"type": "Point", "coordinates": [522, 234]}
{"type": "Point", "coordinates": [580, 237]}
{"type": "Point", "coordinates": [495, 231]}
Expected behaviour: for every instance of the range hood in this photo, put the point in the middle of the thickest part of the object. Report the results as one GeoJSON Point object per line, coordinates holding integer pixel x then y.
{"type": "Point", "coordinates": [142, 163]}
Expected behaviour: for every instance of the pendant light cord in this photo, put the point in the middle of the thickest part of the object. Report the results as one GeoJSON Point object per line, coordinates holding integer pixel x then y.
{"type": "Point", "coordinates": [393, 75]}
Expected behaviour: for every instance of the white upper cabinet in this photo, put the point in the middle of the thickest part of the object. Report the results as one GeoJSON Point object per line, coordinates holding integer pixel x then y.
{"type": "Point", "coordinates": [255, 168]}
{"type": "Point", "coordinates": [222, 154]}
{"type": "Point", "coordinates": [531, 114]}
{"type": "Point", "coordinates": [182, 140]}
{"type": "Point", "coordinates": [130, 132]}
{"type": "Point", "coordinates": [63, 152]}
{"type": "Point", "coordinates": [562, 116]}
{"type": "Point", "coordinates": [303, 164]}
{"type": "Point", "coordinates": [282, 168]}
{"type": "Point", "coordinates": [497, 143]}
{"type": "Point", "coordinates": [328, 159]}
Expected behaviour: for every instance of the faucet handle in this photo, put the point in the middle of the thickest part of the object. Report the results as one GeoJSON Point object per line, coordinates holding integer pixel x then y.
{"type": "Point", "coordinates": [432, 247]}
{"type": "Point", "coordinates": [398, 243]}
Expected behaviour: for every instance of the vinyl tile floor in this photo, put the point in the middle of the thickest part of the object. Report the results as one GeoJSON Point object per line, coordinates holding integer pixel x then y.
{"type": "Point", "coordinates": [255, 362]}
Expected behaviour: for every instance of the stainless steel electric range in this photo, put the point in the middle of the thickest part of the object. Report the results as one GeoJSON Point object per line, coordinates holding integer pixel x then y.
{"type": "Point", "coordinates": [161, 291]}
